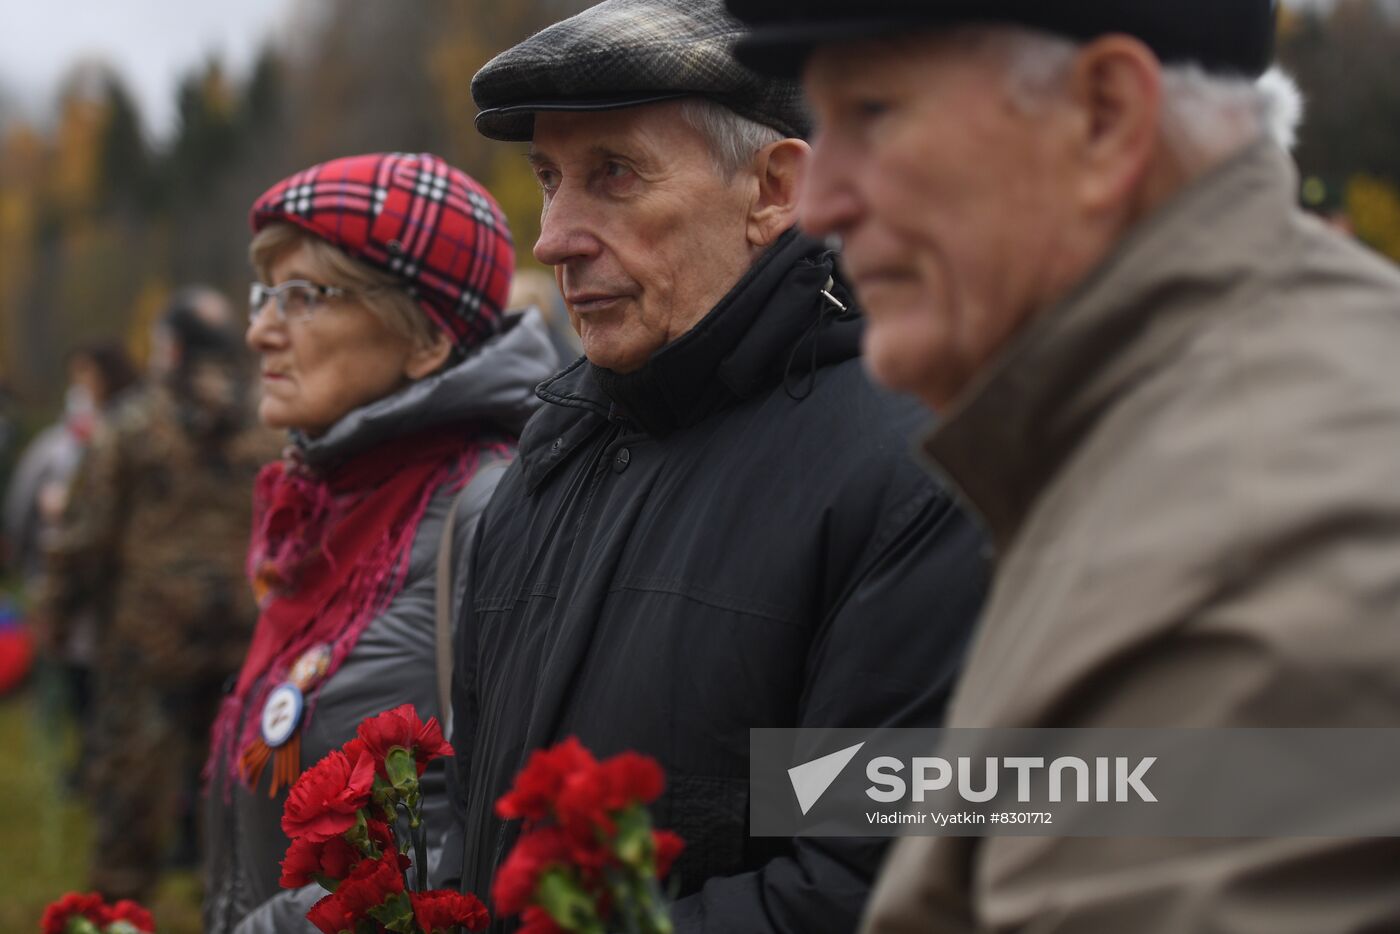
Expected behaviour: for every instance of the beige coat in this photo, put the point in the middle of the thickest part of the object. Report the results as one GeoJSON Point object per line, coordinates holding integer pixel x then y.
{"type": "Point", "coordinates": [1191, 470]}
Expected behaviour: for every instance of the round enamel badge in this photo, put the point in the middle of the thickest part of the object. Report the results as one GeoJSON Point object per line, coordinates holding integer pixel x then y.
{"type": "Point", "coordinates": [281, 714]}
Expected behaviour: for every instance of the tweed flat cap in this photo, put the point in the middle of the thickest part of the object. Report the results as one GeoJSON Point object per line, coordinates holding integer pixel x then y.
{"type": "Point", "coordinates": [1227, 36]}
{"type": "Point", "coordinates": [622, 53]}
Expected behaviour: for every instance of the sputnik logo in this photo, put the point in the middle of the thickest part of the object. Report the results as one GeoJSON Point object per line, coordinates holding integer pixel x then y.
{"type": "Point", "coordinates": [810, 780]}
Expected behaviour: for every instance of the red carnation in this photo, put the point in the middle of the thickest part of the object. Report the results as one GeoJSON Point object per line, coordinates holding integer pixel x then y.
{"type": "Point", "coordinates": [668, 846]}
{"type": "Point", "coordinates": [339, 858]}
{"type": "Point", "coordinates": [401, 727]}
{"type": "Point", "coordinates": [539, 783]}
{"type": "Point", "coordinates": [303, 859]}
{"type": "Point", "coordinates": [590, 797]}
{"type": "Point", "coordinates": [380, 835]}
{"type": "Point", "coordinates": [441, 910]}
{"type": "Point", "coordinates": [370, 884]}
{"type": "Point", "coordinates": [331, 916]}
{"type": "Point", "coordinates": [133, 914]}
{"type": "Point", "coordinates": [323, 802]}
{"type": "Point", "coordinates": [535, 920]}
{"type": "Point", "coordinates": [87, 905]}
{"type": "Point", "coordinates": [307, 858]}
{"type": "Point", "coordinates": [632, 778]}
{"type": "Point", "coordinates": [518, 876]}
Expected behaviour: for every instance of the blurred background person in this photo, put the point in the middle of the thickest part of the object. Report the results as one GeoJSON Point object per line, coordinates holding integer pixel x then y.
{"type": "Point", "coordinates": [385, 352]}
{"type": "Point", "coordinates": [98, 376]}
{"type": "Point", "coordinates": [151, 543]}
{"type": "Point", "coordinates": [34, 499]}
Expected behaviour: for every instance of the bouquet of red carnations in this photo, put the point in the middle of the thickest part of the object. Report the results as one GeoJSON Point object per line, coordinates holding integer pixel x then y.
{"type": "Point", "coordinates": [78, 913]}
{"type": "Point", "coordinates": [341, 816]}
{"type": "Point", "coordinates": [588, 859]}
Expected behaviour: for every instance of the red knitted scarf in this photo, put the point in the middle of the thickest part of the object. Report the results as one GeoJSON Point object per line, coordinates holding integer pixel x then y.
{"type": "Point", "coordinates": [327, 555]}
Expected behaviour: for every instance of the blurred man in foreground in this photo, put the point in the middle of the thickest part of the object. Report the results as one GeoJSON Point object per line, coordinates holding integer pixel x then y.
{"type": "Point", "coordinates": [1172, 396]}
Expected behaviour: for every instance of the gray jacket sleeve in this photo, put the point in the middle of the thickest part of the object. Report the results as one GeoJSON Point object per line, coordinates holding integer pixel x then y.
{"type": "Point", "coordinates": [286, 912]}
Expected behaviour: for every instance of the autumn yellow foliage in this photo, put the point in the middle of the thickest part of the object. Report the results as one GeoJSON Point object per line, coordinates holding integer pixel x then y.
{"type": "Point", "coordinates": [1373, 205]}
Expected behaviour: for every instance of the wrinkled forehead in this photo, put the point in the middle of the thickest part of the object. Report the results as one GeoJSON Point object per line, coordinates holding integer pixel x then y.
{"type": "Point", "coordinates": [654, 131]}
{"type": "Point", "coordinates": [832, 66]}
{"type": "Point", "coordinates": [944, 73]}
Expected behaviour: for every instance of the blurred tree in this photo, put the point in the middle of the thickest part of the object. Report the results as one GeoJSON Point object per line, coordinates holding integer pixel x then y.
{"type": "Point", "coordinates": [73, 177]}
{"type": "Point", "coordinates": [262, 103]}
{"type": "Point", "coordinates": [125, 173]}
{"type": "Point", "coordinates": [473, 33]}
{"type": "Point", "coordinates": [1346, 58]}
{"type": "Point", "coordinates": [208, 145]}
{"type": "Point", "coordinates": [21, 164]}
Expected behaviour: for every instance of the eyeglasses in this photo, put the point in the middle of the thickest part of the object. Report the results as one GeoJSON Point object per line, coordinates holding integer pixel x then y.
{"type": "Point", "coordinates": [295, 299]}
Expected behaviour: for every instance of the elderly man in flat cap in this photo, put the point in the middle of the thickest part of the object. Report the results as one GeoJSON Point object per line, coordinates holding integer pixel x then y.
{"type": "Point", "coordinates": [714, 523]}
{"type": "Point", "coordinates": [1174, 399]}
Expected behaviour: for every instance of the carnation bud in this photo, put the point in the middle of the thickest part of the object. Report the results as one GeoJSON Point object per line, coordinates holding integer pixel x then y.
{"type": "Point", "coordinates": [386, 798]}
{"type": "Point", "coordinates": [402, 770]}
{"type": "Point", "coordinates": [358, 836]}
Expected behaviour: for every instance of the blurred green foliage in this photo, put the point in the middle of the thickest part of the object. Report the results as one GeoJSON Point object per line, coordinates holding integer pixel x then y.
{"type": "Point", "coordinates": [1346, 58]}
{"type": "Point", "coordinates": [44, 833]}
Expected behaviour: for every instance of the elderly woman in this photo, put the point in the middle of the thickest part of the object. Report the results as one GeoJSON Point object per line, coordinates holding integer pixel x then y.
{"type": "Point", "coordinates": [385, 353]}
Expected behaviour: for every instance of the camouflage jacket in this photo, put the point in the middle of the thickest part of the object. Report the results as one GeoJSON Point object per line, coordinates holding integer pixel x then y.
{"type": "Point", "coordinates": [154, 539]}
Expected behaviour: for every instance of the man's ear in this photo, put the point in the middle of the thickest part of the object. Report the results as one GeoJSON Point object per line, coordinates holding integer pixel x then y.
{"type": "Point", "coordinates": [1116, 85]}
{"type": "Point", "coordinates": [781, 168]}
{"type": "Point", "coordinates": [426, 359]}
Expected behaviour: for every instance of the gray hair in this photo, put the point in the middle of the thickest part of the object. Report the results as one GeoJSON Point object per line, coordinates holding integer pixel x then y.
{"type": "Point", "coordinates": [1204, 116]}
{"type": "Point", "coordinates": [733, 140]}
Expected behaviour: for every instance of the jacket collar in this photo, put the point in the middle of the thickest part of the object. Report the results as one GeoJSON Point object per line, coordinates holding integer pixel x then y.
{"type": "Point", "coordinates": [773, 325]}
{"type": "Point", "coordinates": [1013, 428]}
{"type": "Point", "coordinates": [495, 384]}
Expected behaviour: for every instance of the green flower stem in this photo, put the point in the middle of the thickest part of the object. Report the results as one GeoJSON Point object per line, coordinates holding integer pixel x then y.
{"type": "Point", "coordinates": [567, 903]}
{"type": "Point", "coordinates": [407, 887]}
{"type": "Point", "coordinates": [420, 852]}
{"type": "Point", "coordinates": [636, 893]}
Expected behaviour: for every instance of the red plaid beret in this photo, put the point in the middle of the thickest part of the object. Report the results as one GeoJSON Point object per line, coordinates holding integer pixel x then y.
{"type": "Point", "coordinates": [416, 217]}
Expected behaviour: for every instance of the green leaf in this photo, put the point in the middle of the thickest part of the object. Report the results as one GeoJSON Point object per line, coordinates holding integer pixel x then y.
{"type": "Point", "coordinates": [396, 914]}
{"type": "Point", "coordinates": [566, 902]}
